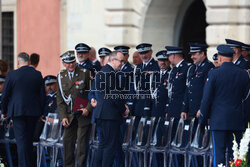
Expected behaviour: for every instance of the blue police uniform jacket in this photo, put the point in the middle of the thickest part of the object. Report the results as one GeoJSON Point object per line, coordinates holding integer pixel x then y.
{"type": "Point", "coordinates": [140, 102]}
{"type": "Point", "coordinates": [109, 104]}
{"type": "Point", "coordinates": [176, 90]}
{"type": "Point", "coordinates": [51, 106]}
{"type": "Point", "coordinates": [242, 63]}
{"type": "Point", "coordinates": [160, 94]}
{"type": "Point", "coordinates": [87, 64]}
{"type": "Point", "coordinates": [126, 78]}
{"type": "Point", "coordinates": [224, 92]}
{"type": "Point", "coordinates": [24, 93]}
{"type": "Point", "coordinates": [196, 79]}
{"type": "Point", "coordinates": [97, 66]}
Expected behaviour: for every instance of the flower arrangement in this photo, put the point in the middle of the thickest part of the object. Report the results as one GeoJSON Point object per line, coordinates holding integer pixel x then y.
{"type": "Point", "coordinates": [240, 154]}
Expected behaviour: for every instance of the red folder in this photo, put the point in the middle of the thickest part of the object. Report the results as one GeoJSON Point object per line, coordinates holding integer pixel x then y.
{"type": "Point", "coordinates": [79, 103]}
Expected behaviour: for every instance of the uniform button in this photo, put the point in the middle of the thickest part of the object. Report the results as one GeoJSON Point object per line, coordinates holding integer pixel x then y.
{"type": "Point", "coordinates": [191, 100]}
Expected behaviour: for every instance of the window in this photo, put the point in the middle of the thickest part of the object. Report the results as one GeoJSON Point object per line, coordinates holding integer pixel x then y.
{"type": "Point", "coordinates": [8, 38]}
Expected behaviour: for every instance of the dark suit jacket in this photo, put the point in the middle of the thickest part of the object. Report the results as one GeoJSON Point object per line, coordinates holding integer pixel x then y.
{"type": "Point", "coordinates": [224, 92]}
{"type": "Point", "coordinates": [24, 93]}
{"type": "Point", "coordinates": [109, 105]}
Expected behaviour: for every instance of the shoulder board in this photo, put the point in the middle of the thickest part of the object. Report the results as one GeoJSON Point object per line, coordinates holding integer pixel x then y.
{"type": "Point", "coordinates": [62, 71]}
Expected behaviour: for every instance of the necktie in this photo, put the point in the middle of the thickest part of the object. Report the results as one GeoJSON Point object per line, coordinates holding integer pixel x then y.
{"type": "Point", "coordinates": [70, 75]}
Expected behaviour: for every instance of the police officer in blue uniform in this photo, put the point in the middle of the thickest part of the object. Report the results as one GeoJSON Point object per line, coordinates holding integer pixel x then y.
{"type": "Point", "coordinates": [2, 80]}
{"type": "Point", "coordinates": [82, 52]}
{"type": "Point", "coordinates": [196, 78]}
{"type": "Point", "coordinates": [126, 73]}
{"type": "Point", "coordinates": [176, 82]}
{"type": "Point", "coordinates": [50, 105]}
{"type": "Point", "coordinates": [95, 62]}
{"type": "Point", "coordinates": [238, 59]}
{"type": "Point", "coordinates": [215, 59]}
{"type": "Point", "coordinates": [245, 51]}
{"type": "Point", "coordinates": [126, 67]}
{"type": "Point", "coordinates": [159, 89]}
{"type": "Point", "coordinates": [51, 86]}
{"type": "Point", "coordinates": [225, 89]}
{"type": "Point", "coordinates": [140, 104]}
{"type": "Point", "coordinates": [103, 52]}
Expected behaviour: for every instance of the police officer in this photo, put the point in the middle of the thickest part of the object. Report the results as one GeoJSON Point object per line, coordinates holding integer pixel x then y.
{"type": "Point", "coordinates": [196, 78]}
{"type": "Point", "coordinates": [50, 105]}
{"type": "Point", "coordinates": [92, 57]}
{"type": "Point", "coordinates": [238, 59]}
{"type": "Point", "coordinates": [245, 51]}
{"type": "Point", "coordinates": [2, 80]}
{"type": "Point", "coordinates": [159, 89]}
{"type": "Point", "coordinates": [50, 88]}
{"type": "Point", "coordinates": [126, 67]}
{"type": "Point", "coordinates": [140, 104]}
{"type": "Point", "coordinates": [103, 52]}
{"type": "Point", "coordinates": [176, 82]}
{"type": "Point", "coordinates": [82, 52]}
{"type": "Point", "coordinates": [225, 89]}
{"type": "Point", "coordinates": [215, 59]}
{"type": "Point", "coordinates": [74, 109]}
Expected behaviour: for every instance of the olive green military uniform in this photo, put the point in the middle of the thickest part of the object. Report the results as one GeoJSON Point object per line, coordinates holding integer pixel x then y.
{"type": "Point", "coordinates": [78, 128]}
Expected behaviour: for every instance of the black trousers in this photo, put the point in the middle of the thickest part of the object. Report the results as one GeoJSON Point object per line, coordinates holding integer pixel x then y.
{"type": "Point", "coordinates": [24, 127]}
{"type": "Point", "coordinates": [109, 131]}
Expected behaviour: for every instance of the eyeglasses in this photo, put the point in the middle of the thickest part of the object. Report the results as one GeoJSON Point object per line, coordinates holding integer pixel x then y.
{"type": "Point", "coordinates": [121, 61]}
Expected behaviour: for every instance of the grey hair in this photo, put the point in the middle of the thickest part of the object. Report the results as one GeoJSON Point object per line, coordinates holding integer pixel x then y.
{"type": "Point", "coordinates": [112, 55]}
{"type": "Point", "coordinates": [23, 57]}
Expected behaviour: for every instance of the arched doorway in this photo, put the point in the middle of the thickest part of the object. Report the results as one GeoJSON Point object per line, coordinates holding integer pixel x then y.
{"type": "Point", "coordinates": [193, 27]}
{"type": "Point", "coordinates": [168, 22]}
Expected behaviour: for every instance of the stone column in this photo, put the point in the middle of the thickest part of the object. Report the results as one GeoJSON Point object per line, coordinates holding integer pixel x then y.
{"type": "Point", "coordinates": [227, 19]}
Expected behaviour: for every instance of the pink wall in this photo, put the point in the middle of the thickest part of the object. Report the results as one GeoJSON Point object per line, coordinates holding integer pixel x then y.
{"type": "Point", "coordinates": [38, 30]}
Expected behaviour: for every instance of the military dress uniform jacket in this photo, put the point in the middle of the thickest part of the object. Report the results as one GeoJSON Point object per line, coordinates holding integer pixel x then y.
{"type": "Point", "coordinates": [224, 92]}
{"type": "Point", "coordinates": [141, 105]}
{"type": "Point", "coordinates": [97, 65]}
{"type": "Point", "coordinates": [176, 89]}
{"type": "Point", "coordinates": [196, 79]}
{"type": "Point", "coordinates": [160, 94]}
{"type": "Point", "coordinates": [78, 86]}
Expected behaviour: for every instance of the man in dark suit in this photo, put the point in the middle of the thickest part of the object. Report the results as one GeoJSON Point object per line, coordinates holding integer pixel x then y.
{"type": "Point", "coordinates": [109, 110]}
{"type": "Point", "coordinates": [225, 90]}
{"type": "Point", "coordinates": [23, 101]}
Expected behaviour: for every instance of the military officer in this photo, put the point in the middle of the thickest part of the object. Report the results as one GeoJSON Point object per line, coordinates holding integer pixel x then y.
{"type": "Point", "coordinates": [159, 89]}
{"type": "Point", "coordinates": [141, 102]}
{"type": "Point", "coordinates": [225, 89]}
{"type": "Point", "coordinates": [238, 59]}
{"type": "Point", "coordinates": [74, 109]}
{"type": "Point", "coordinates": [196, 78]}
{"type": "Point", "coordinates": [103, 52]}
{"type": "Point", "coordinates": [82, 52]}
{"type": "Point", "coordinates": [215, 59]}
{"type": "Point", "coordinates": [176, 82]}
